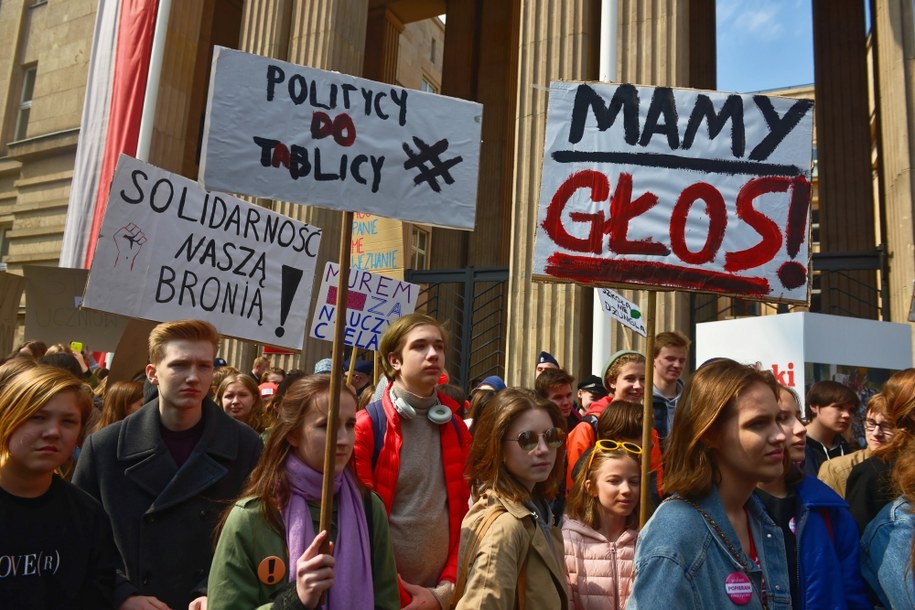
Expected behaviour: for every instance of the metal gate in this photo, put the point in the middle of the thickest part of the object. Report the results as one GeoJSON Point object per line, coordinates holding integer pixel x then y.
{"type": "Point", "coordinates": [473, 305]}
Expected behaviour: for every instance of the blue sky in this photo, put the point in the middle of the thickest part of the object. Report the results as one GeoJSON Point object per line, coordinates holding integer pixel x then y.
{"type": "Point", "coordinates": [764, 44]}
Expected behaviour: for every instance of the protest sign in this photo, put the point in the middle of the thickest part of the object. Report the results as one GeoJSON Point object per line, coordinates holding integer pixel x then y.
{"type": "Point", "coordinates": [377, 244]}
{"type": "Point", "coordinates": [282, 131]}
{"type": "Point", "coordinates": [657, 187]}
{"type": "Point", "coordinates": [372, 302]}
{"type": "Point", "coordinates": [11, 287]}
{"type": "Point", "coordinates": [622, 310]}
{"type": "Point", "coordinates": [54, 313]}
{"type": "Point", "coordinates": [170, 250]}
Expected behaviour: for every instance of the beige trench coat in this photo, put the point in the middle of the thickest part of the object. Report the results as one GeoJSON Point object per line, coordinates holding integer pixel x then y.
{"type": "Point", "coordinates": [514, 536]}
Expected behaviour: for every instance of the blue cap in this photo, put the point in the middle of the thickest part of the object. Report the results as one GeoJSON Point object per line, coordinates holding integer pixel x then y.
{"type": "Point", "coordinates": [493, 381]}
{"type": "Point", "coordinates": [323, 366]}
{"type": "Point", "coordinates": [362, 366]}
{"type": "Point", "coordinates": [546, 357]}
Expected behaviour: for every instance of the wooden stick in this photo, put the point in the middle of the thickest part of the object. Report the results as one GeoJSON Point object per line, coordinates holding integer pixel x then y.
{"type": "Point", "coordinates": [336, 379]}
{"type": "Point", "coordinates": [352, 366]}
{"type": "Point", "coordinates": [648, 410]}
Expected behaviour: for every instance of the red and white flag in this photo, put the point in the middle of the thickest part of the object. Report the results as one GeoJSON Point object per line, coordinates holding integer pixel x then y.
{"type": "Point", "coordinates": [113, 108]}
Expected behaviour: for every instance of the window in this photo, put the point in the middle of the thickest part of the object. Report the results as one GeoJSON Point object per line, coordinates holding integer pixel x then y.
{"type": "Point", "coordinates": [25, 103]}
{"type": "Point", "coordinates": [419, 251]}
{"type": "Point", "coordinates": [432, 51]}
{"type": "Point", "coordinates": [4, 246]}
{"type": "Point", "coordinates": [427, 86]}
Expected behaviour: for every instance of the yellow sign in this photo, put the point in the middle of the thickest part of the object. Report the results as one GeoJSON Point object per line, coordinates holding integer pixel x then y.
{"type": "Point", "coordinates": [377, 245]}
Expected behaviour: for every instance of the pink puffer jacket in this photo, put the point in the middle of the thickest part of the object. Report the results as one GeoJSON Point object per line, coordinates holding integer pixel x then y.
{"type": "Point", "coordinates": [600, 572]}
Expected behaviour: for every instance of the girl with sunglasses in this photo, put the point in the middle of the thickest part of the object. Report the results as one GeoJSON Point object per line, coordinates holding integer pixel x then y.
{"type": "Point", "coordinates": [510, 554]}
{"type": "Point", "coordinates": [600, 528]}
{"type": "Point", "coordinates": [711, 544]}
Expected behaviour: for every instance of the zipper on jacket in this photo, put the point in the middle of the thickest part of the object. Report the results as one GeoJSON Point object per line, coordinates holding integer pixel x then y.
{"type": "Point", "coordinates": [616, 577]}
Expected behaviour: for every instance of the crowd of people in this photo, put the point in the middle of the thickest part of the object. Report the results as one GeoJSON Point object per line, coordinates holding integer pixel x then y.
{"type": "Point", "coordinates": [198, 485]}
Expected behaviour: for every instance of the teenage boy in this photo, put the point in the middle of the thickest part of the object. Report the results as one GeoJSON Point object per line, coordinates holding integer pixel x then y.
{"type": "Point", "coordinates": [165, 474]}
{"type": "Point", "coordinates": [590, 390]}
{"type": "Point", "coordinates": [878, 431]}
{"type": "Point", "coordinates": [670, 351]}
{"type": "Point", "coordinates": [556, 386]}
{"type": "Point", "coordinates": [545, 361]}
{"type": "Point", "coordinates": [831, 405]}
{"type": "Point", "coordinates": [259, 367]}
{"type": "Point", "coordinates": [411, 449]}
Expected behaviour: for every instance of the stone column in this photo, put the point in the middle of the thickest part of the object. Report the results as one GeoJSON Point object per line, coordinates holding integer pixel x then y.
{"type": "Point", "coordinates": [894, 46]}
{"type": "Point", "coordinates": [325, 34]}
{"type": "Point", "coordinates": [555, 42]}
{"type": "Point", "coordinates": [844, 153]}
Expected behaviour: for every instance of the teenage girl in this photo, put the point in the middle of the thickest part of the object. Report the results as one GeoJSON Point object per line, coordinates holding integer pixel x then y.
{"type": "Point", "coordinates": [56, 547]}
{"type": "Point", "coordinates": [600, 528]}
{"type": "Point", "coordinates": [821, 537]}
{"type": "Point", "coordinates": [711, 545]}
{"type": "Point", "coordinates": [510, 553]}
{"type": "Point", "coordinates": [269, 547]}
{"type": "Point", "coordinates": [239, 396]}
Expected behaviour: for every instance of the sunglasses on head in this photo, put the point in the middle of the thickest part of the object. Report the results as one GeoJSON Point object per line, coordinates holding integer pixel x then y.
{"type": "Point", "coordinates": [528, 440]}
{"type": "Point", "coordinates": [611, 445]}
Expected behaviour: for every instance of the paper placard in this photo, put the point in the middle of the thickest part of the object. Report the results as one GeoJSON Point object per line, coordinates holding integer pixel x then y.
{"type": "Point", "coordinates": [169, 250]}
{"type": "Point", "coordinates": [282, 131]}
{"type": "Point", "coordinates": [656, 187]}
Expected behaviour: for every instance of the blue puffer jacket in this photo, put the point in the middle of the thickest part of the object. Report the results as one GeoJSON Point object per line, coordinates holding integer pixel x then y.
{"type": "Point", "coordinates": [828, 550]}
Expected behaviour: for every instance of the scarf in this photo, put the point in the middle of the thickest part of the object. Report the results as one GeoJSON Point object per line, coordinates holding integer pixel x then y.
{"type": "Point", "coordinates": [353, 587]}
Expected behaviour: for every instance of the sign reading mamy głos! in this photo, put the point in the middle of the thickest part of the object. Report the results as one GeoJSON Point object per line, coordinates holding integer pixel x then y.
{"type": "Point", "coordinates": [675, 188]}
{"type": "Point", "coordinates": [373, 301]}
{"type": "Point", "coordinates": [288, 132]}
{"type": "Point", "coordinates": [170, 250]}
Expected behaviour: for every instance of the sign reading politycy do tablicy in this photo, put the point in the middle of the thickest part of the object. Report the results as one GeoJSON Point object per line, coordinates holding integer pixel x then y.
{"type": "Point", "coordinates": [373, 301]}
{"type": "Point", "coordinates": [283, 131]}
{"type": "Point", "coordinates": [656, 187]}
{"type": "Point", "coordinates": [169, 250]}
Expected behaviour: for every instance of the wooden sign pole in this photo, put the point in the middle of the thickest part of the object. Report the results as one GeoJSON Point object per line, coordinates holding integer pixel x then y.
{"type": "Point", "coordinates": [336, 380]}
{"type": "Point", "coordinates": [648, 410]}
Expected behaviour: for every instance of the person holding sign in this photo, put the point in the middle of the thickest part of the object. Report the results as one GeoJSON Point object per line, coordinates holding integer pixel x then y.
{"type": "Point", "coordinates": [411, 449]}
{"type": "Point", "coordinates": [269, 545]}
{"type": "Point", "coordinates": [165, 473]}
{"type": "Point", "coordinates": [711, 544]}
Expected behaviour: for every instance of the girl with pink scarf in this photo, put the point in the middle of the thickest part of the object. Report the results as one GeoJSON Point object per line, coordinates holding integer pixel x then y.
{"type": "Point", "coordinates": [268, 554]}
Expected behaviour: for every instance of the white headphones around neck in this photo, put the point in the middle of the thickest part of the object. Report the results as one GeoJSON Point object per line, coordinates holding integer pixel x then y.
{"type": "Point", "coordinates": [437, 414]}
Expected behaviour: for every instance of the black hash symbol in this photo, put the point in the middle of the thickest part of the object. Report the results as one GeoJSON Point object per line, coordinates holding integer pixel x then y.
{"type": "Point", "coordinates": [431, 155]}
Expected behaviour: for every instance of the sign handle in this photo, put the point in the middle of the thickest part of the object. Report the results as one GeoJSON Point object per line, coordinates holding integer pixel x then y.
{"type": "Point", "coordinates": [336, 379]}
{"type": "Point", "coordinates": [352, 366]}
{"type": "Point", "coordinates": [648, 410]}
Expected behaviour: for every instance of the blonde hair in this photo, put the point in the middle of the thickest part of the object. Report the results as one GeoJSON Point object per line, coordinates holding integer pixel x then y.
{"type": "Point", "coordinates": [584, 506]}
{"type": "Point", "coordinates": [258, 416]}
{"type": "Point", "coordinates": [28, 392]}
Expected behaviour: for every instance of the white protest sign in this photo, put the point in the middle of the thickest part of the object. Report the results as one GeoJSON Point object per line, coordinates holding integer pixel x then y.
{"type": "Point", "coordinates": [373, 301]}
{"type": "Point", "coordinates": [676, 188]}
{"type": "Point", "coordinates": [169, 250]}
{"type": "Point", "coordinates": [277, 130]}
{"type": "Point", "coordinates": [622, 310]}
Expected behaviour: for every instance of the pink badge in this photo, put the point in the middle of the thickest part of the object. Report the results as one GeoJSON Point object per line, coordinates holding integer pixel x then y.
{"type": "Point", "coordinates": [792, 525]}
{"type": "Point", "coordinates": [738, 587]}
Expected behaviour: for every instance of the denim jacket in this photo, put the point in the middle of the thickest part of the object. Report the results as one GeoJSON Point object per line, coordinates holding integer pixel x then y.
{"type": "Point", "coordinates": [681, 562]}
{"type": "Point", "coordinates": [886, 555]}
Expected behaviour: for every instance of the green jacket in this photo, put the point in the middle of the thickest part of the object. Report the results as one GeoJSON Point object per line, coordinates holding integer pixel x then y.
{"type": "Point", "coordinates": [248, 539]}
